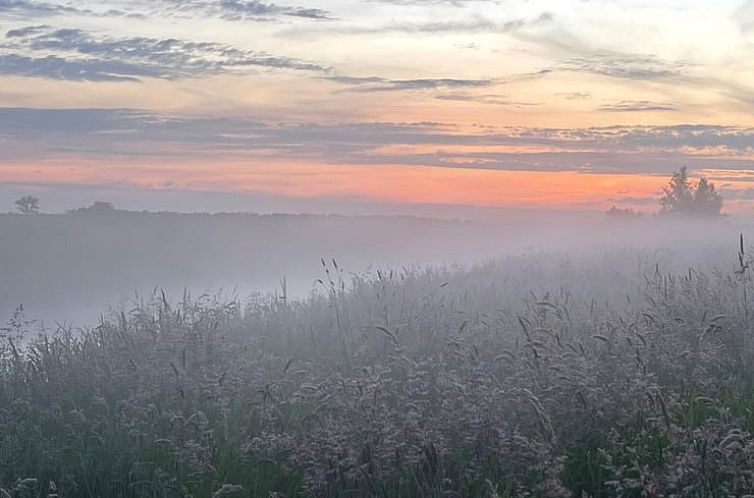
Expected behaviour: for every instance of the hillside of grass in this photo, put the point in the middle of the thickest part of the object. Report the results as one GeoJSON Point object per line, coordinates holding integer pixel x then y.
{"type": "Point", "coordinates": [602, 374]}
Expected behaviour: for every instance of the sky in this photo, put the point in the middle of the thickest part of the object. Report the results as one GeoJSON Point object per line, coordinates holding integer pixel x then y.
{"type": "Point", "coordinates": [574, 104]}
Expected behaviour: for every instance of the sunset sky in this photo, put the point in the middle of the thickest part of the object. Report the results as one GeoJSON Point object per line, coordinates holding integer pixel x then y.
{"type": "Point", "coordinates": [575, 104]}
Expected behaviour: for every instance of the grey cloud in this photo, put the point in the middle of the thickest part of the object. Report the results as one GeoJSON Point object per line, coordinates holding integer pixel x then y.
{"type": "Point", "coordinates": [310, 13]}
{"type": "Point", "coordinates": [358, 80]}
{"type": "Point", "coordinates": [623, 162]}
{"type": "Point", "coordinates": [249, 7]}
{"type": "Point", "coordinates": [687, 136]}
{"type": "Point", "coordinates": [478, 24]}
{"type": "Point", "coordinates": [24, 8]}
{"type": "Point", "coordinates": [40, 133]}
{"type": "Point", "coordinates": [27, 31]}
{"type": "Point", "coordinates": [245, 9]}
{"type": "Point", "coordinates": [21, 122]}
{"type": "Point", "coordinates": [226, 9]}
{"type": "Point", "coordinates": [74, 70]}
{"type": "Point", "coordinates": [76, 55]}
{"type": "Point", "coordinates": [377, 84]}
{"type": "Point", "coordinates": [242, 10]}
{"type": "Point", "coordinates": [637, 106]}
{"type": "Point", "coordinates": [500, 100]}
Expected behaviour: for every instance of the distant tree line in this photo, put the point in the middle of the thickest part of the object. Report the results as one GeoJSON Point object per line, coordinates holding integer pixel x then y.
{"type": "Point", "coordinates": [681, 197]}
{"type": "Point", "coordinates": [616, 212]}
{"type": "Point", "coordinates": [96, 207]}
{"type": "Point", "coordinates": [29, 205]}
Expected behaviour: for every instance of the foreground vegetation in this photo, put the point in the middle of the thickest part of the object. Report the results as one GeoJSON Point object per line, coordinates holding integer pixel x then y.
{"type": "Point", "coordinates": [604, 375]}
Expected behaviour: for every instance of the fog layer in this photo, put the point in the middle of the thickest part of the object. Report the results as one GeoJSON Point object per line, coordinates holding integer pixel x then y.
{"type": "Point", "coordinates": [72, 267]}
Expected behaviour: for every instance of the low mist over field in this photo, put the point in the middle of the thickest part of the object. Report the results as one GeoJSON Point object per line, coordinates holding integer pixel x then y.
{"type": "Point", "coordinates": [376, 249]}
{"type": "Point", "coordinates": [72, 267]}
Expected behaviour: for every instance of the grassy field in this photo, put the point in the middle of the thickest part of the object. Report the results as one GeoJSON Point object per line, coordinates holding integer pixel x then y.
{"type": "Point", "coordinates": [614, 373]}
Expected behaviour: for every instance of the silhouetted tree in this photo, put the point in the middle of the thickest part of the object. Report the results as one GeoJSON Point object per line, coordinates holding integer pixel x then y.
{"type": "Point", "coordinates": [707, 200]}
{"type": "Point", "coordinates": [677, 196]}
{"type": "Point", "coordinates": [28, 205]}
{"type": "Point", "coordinates": [681, 197]}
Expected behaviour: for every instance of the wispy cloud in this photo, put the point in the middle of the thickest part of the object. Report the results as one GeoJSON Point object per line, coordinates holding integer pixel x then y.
{"type": "Point", "coordinates": [637, 106]}
{"type": "Point", "coordinates": [27, 31]}
{"type": "Point", "coordinates": [55, 67]}
{"type": "Point", "coordinates": [574, 95]}
{"type": "Point", "coordinates": [499, 100]}
{"type": "Point", "coordinates": [28, 9]}
{"type": "Point", "coordinates": [243, 10]}
{"type": "Point", "coordinates": [377, 84]}
{"type": "Point", "coordinates": [233, 10]}
{"type": "Point", "coordinates": [25, 8]}
{"type": "Point", "coordinates": [469, 24]}
{"type": "Point", "coordinates": [745, 16]}
{"type": "Point", "coordinates": [74, 54]}
{"type": "Point", "coordinates": [626, 66]}
{"type": "Point", "coordinates": [473, 25]}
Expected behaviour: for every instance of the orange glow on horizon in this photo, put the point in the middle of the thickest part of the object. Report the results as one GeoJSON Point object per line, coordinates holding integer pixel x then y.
{"type": "Point", "coordinates": [387, 183]}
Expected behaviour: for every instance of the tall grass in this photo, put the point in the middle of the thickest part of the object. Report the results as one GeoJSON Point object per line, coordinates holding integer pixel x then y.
{"type": "Point", "coordinates": [604, 375]}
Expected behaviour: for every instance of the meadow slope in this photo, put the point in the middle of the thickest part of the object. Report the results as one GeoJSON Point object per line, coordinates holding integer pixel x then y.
{"type": "Point", "coordinates": [610, 373]}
